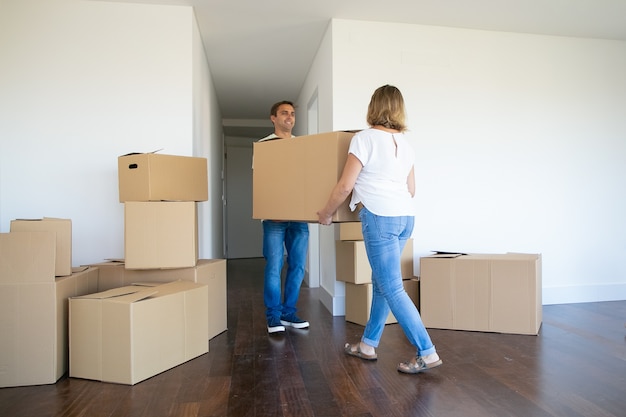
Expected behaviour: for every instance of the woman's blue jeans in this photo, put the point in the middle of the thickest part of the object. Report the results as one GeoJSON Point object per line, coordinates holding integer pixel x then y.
{"type": "Point", "coordinates": [278, 237]}
{"type": "Point", "coordinates": [385, 238]}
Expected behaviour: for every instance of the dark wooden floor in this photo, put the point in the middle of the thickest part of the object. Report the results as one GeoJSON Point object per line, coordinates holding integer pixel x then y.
{"type": "Point", "coordinates": [576, 366]}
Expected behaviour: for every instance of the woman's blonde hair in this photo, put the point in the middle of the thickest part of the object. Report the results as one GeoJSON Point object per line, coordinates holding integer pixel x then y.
{"type": "Point", "coordinates": [386, 108]}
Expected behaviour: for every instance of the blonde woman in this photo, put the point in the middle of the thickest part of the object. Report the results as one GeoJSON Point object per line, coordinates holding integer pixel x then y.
{"type": "Point", "coordinates": [379, 172]}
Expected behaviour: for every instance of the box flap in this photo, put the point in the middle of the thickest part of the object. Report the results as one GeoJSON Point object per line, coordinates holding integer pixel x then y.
{"type": "Point", "coordinates": [443, 254]}
{"type": "Point", "coordinates": [144, 293]}
{"type": "Point", "coordinates": [141, 153]}
{"type": "Point", "coordinates": [114, 292]}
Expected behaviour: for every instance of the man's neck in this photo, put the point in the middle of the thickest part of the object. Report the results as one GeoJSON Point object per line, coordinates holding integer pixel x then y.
{"type": "Point", "coordinates": [283, 134]}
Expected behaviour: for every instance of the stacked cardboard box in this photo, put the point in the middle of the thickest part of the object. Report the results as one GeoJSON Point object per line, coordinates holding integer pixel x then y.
{"type": "Point", "coordinates": [62, 229]}
{"type": "Point", "coordinates": [353, 268]}
{"type": "Point", "coordinates": [482, 292]}
{"type": "Point", "coordinates": [160, 195]}
{"type": "Point", "coordinates": [34, 300]}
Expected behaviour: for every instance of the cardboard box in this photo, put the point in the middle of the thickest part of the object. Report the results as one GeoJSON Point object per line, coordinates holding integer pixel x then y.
{"type": "Point", "coordinates": [211, 272]}
{"type": "Point", "coordinates": [493, 293]}
{"type": "Point", "coordinates": [63, 232]}
{"type": "Point", "coordinates": [349, 231]}
{"type": "Point", "coordinates": [359, 301]}
{"type": "Point", "coordinates": [293, 178]}
{"type": "Point", "coordinates": [160, 234]}
{"type": "Point", "coordinates": [353, 266]}
{"type": "Point", "coordinates": [155, 177]}
{"type": "Point", "coordinates": [111, 275]}
{"type": "Point", "coordinates": [129, 334]}
{"type": "Point", "coordinates": [33, 309]}
{"type": "Point", "coordinates": [412, 288]}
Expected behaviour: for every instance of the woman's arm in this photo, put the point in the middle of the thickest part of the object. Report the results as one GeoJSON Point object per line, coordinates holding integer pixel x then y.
{"type": "Point", "coordinates": [342, 190]}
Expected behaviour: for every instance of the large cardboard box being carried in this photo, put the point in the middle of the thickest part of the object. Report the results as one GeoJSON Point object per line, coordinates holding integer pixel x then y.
{"type": "Point", "coordinates": [359, 301]}
{"type": "Point", "coordinates": [155, 177]}
{"type": "Point", "coordinates": [293, 178]}
{"type": "Point", "coordinates": [63, 232]}
{"type": "Point", "coordinates": [34, 309]}
{"type": "Point", "coordinates": [493, 293]}
{"type": "Point", "coordinates": [128, 334]}
{"type": "Point", "coordinates": [353, 266]}
{"type": "Point", "coordinates": [160, 234]}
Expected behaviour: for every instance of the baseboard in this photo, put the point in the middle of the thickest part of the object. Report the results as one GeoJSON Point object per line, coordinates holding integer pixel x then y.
{"type": "Point", "coordinates": [569, 294]}
{"type": "Point", "coordinates": [336, 305]}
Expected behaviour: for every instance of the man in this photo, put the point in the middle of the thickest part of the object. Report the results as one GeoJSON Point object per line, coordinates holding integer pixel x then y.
{"type": "Point", "coordinates": [279, 236]}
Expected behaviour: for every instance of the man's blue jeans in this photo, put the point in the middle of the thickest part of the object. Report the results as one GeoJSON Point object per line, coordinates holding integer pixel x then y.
{"type": "Point", "coordinates": [278, 236]}
{"type": "Point", "coordinates": [385, 238]}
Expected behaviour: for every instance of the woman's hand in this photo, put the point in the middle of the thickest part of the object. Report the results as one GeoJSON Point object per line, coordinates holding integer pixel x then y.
{"type": "Point", "coordinates": [324, 218]}
{"type": "Point", "coordinates": [342, 189]}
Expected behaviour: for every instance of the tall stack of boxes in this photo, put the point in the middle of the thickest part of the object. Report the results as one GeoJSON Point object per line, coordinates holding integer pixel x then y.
{"type": "Point", "coordinates": [36, 280]}
{"type": "Point", "coordinates": [160, 305]}
{"type": "Point", "coordinates": [352, 267]}
{"type": "Point", "coordinates": [160, 195]}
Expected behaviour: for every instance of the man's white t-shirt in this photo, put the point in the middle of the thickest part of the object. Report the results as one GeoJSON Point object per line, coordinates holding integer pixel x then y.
{"type": "Point", "coordinates": [381, 186]}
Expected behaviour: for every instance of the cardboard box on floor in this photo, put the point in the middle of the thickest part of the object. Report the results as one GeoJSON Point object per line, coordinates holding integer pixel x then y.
{"type": "Point", "coordinates": [293, 178]}
{"type": "Point", "coordinates": [160, 234]}
{"type": "Point", "coordinates": [207, 271]}
{"type": "Point", "coordinates": [34, 309]}
{"type": "Point", "coordinates": [63, 232]}
{"type": "Point", "coordinates": [156, 177]}
{"type": "Point", "coordinates": [349, 231]}
{"type": "Point", "coordinates": [128, 334]}
{"type": "Point", "coordinates": [359, 301]}
{"type": "Point", "coordinates": [493, 293]}
{"type": "Point", "coordinates": [353, 266]}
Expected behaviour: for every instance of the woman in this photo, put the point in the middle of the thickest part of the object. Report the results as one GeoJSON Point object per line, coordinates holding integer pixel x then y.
{"type": "Point", "coordinates": [379, 174]}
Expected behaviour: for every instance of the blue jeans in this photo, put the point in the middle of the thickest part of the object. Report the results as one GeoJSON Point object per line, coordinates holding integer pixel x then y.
{"type": "Point", "coordinates": [385, 238]}
{"type": "Point", "coordinates": [278, 236]}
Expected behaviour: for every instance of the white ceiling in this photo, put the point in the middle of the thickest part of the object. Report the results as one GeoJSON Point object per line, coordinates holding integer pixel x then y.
{"type": "Point", "coordinates": [259, 51]}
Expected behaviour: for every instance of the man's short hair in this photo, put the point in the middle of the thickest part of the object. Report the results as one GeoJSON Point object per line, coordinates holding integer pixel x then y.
{"type": "Point", "coordinates": [274, 109]}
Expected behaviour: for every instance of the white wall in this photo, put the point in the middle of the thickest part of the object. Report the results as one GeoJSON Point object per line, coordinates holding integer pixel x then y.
{"type": "Point", "coordinates": [320, 82]}
{"type": "Point", "coordinates": [84, 82]}
{"type": "Point", "coordinates": [208, 142]}
{"type": "Point", "coordinates": [520, 143]}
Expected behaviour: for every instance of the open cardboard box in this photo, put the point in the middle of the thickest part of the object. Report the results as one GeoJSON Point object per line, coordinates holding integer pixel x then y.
{"type": "Point", "coordinates": [128, 334]}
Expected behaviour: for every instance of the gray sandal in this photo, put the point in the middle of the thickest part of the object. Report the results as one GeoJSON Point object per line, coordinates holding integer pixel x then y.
{"type": "Point", "coordinates": [348, 349]}
{"type": "Point", "coordinates": [417, 365]}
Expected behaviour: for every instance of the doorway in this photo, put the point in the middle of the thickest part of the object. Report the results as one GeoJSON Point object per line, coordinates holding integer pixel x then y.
{"type": "Point", "coordinates": [244, 235]}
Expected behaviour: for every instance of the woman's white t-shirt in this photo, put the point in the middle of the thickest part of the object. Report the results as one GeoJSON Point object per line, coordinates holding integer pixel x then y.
{"type": "Point", "coordinates": [381, 186]}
